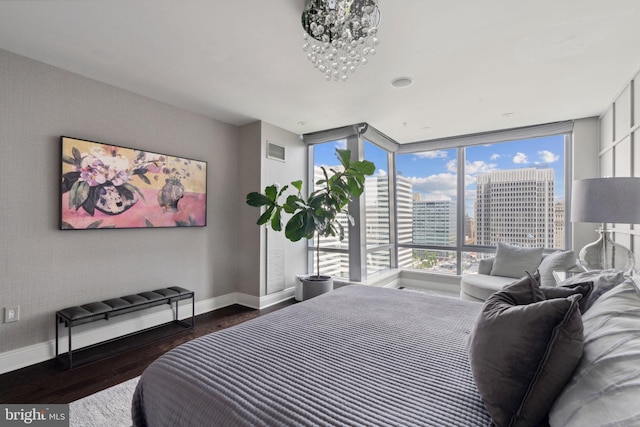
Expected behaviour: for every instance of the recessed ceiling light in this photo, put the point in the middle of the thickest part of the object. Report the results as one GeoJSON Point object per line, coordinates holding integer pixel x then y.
{"type": "Point", "coordinates": [301, 123]}
{"type": "Point", "coordinates": [426, 128]}
{"type": "Point", "coordinates": [507, 115]}
{"type": "Point", "coordinates": [402, 82]}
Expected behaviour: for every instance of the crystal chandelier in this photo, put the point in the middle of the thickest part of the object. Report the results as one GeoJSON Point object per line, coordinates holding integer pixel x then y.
{"type": "Point", "coordinates": [340, 35]}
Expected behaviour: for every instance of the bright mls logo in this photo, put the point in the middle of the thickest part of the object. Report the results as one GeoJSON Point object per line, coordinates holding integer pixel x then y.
{"type": "Point", "coordinates": [37, 415]}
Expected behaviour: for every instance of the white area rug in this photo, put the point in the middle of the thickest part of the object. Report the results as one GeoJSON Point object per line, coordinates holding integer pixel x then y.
{"type": "Point", "coordinates": [107, 408]}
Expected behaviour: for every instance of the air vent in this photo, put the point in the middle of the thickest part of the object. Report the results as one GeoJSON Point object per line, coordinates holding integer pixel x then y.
{"type": "Point", "coordinates": [275, 152]}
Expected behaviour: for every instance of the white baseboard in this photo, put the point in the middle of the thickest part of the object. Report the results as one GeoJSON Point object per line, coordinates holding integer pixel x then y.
{"type": "Point", "coordinates": [90, 333]}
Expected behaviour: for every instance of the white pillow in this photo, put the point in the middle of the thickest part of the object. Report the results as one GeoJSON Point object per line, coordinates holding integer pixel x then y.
{"type": "Point", "coordinates": [558, 261]}
{"type": "Point", "coordinates": [513, 261]}
{"type": "Point", "coordinates": [605, 387]}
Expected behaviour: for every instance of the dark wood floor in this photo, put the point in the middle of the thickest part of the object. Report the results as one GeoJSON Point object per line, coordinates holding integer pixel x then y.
{"type": "Point", "coordinates": [48, 382]}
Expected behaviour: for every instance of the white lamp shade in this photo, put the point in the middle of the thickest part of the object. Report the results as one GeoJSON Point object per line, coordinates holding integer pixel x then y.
{"type": "Point", "coordinates": [606, 200]}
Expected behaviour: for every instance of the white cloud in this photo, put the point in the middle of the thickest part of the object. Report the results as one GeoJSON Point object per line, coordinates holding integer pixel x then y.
{"type": "Point", "coordinates": [381, 172]}
{"type": "Point", "coordinates": [437, 154]}
{"type": "Point", "coordinates": [435, 185]}
{"type": "Point", "coordinates": [472, 168]}
{"type": "Point", "coordinates": [548, 156]}
{"type": "Point", "coordinates": [495, 156]}
{"type": "Point", "coordinates": [341, 144]}
{"type": "Point", "coordinates": [520, 159]}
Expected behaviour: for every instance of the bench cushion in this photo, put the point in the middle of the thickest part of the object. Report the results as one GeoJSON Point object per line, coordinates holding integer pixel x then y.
{"type": "Point", "coordinates": [126, 304]}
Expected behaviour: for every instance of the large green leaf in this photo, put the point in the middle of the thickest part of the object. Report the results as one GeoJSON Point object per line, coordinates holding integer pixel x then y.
{"type": "Point", "coordinates": [355, 187]}
{"type": "Point", "coordinates": [344, 156]}
{"type": "Point", "coordinates": [295, 228]}
{"type": "Point", "coordinates": [276, 221]}
{"type": "Point", "coordinates": [271, 192]}
{"type": "Point", "coordinates": [363, 167]}
{"type": "Point", "coordinates": [266, 216]}
{"type": "Point", "coordinates": [297, 184]}
{"type": "Point", "coordinates": [282, 190]}
{"type": "Point", "coordinates": [293, 203]}
{"type": "Point", "coordinates": [256, 199]}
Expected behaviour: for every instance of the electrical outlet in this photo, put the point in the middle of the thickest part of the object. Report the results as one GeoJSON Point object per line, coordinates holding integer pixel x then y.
{"type": "Point", "coordinates": [12, 314]}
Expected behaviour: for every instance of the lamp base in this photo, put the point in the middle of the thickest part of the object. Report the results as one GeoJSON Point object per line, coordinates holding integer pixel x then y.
{"type": "Point", "coordinates": [605, 254]}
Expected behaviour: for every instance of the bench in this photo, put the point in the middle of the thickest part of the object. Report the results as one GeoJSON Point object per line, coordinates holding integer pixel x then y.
{"type": "Point", "coordinates": [104, 310]}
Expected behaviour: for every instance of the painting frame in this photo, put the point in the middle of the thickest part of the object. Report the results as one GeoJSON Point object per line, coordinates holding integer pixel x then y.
{"type": "Point", "coordinates": [111, 186]}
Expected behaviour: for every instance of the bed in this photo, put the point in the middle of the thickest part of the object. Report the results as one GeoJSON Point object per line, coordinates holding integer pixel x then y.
{"type": "Point", "coordinates": [359, 355]}
{"type": "Point", "coordinates": [366, 356]}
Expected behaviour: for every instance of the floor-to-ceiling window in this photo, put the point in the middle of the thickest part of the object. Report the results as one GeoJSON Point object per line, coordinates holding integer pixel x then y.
{"type": "Point", "coordinates": [369, 246]}
{"type": "Point", "coordinates": [440, 206]}
{"type": "Point", "coordinates": [427, 189]}
{"type": "Point", "coordinates": [465, 199]}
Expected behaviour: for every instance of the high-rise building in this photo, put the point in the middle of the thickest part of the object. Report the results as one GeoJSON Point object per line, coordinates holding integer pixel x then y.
{"type": "Point", "coordinates": [516, 206]}
{"type": "Point", "coordinates": [377, 217]}
{"type": "Point", "coordinates": [558, 223]}
{"type": "Point", "coordinates": [469, 230]}
{"type": "Point", "coordinates": [404, 228]}
{"type": "Point", "coordinates": [434, 222]}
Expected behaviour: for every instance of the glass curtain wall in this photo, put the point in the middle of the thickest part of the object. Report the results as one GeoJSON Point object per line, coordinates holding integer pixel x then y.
{"type": "Point", "coordinates": [369, 246]}
{"type": "Point", "coordinates": [442, 205]}
{"type": "Point", "coordinates": [467, 199]}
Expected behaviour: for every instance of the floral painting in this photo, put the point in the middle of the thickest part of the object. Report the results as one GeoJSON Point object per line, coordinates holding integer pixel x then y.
{"type": "Point", "coordinates": [107, 186]}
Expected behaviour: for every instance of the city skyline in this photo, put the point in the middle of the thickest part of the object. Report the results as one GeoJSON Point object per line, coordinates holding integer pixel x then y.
{"type": "Point", "coordinates": [433, 174]}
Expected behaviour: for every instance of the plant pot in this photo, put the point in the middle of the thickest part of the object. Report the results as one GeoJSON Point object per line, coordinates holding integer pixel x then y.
{"type": "Point", "coordinates": [312, 286]}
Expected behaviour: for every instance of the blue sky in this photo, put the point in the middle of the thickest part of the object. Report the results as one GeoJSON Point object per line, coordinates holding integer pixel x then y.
{"type": "Point", "coordinates": [433, 173]}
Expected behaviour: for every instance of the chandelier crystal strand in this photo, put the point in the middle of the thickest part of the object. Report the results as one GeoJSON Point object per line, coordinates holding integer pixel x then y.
{"type": "Point", "coordinates": [340, 35]}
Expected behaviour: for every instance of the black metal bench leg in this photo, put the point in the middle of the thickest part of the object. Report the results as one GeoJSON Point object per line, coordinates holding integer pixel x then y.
{"type": "Point", "coordinates": [70, 353]}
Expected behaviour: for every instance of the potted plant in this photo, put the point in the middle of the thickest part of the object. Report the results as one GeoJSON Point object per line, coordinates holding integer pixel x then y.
{"type": "Point", "coordinates": [315, 216]}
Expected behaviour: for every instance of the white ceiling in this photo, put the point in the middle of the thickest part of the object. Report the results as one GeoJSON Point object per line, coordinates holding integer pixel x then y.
{"type": "Point", "coordinates": [241, 60]}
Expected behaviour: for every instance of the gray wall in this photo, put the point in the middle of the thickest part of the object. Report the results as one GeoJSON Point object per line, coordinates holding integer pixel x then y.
{"type": "Point", "coordinates": [43, 269]}
{"type": "Point", "coordinates": [584, 165]}
{"type": "Point", "coordinates": [262, 251]}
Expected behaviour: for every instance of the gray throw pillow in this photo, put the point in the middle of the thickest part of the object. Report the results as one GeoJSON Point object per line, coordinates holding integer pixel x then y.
{"type": "Point", "coordinates": [523, 350]}
{"type": "Point", "coordinates": [584, 289]}
{"type": "Point", "coordinates": [514, 261]}
{"type": "Point", "coordinates": [603, 281]}
{"type": "Point", "coordinates": [557, 261]}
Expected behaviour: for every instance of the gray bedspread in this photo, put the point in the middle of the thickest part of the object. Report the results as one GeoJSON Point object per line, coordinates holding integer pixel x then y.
{"type": "Point", "coordinates": [357, 356]}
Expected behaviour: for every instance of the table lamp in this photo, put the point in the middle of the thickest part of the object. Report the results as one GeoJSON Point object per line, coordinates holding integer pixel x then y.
{"type": "Point", "coordinates": [606, 201]}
